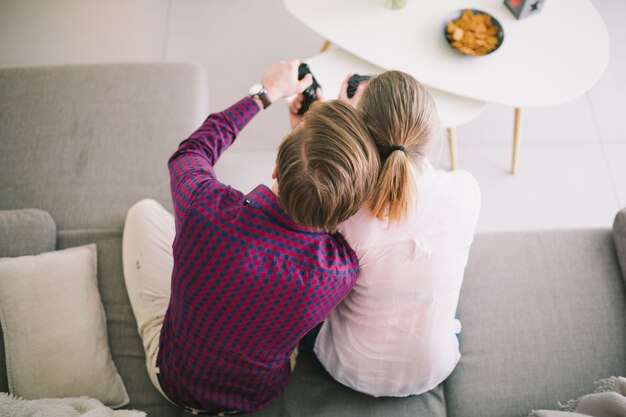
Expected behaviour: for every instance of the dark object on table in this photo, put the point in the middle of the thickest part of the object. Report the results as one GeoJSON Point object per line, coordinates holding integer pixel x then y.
{"type": "Point", "coordinates": [310, 94]}
{"type": "Point", "coordinates": [524, 8]}
{"type": "Point", "coordinates": [473, 32]}
{"type": "Point", "coordinates": [354, 82]}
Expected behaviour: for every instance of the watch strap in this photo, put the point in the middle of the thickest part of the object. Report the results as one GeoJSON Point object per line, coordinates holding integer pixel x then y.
{"type": "Point", "coordinates": [262, 95]}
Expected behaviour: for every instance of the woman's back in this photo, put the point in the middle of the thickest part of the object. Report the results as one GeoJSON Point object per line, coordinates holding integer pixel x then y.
{"type": "Point", "coordinates": [395, 333]}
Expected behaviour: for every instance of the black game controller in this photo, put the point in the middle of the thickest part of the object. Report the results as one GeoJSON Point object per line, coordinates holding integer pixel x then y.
{"type": "Point", "coordinates": [310, 93]}
{"type": "Point", "coordinates": [354, 83]}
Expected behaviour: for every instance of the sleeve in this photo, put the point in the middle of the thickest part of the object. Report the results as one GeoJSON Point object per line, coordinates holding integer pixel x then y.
{"type": "Point", "coordinates": [191, 166]}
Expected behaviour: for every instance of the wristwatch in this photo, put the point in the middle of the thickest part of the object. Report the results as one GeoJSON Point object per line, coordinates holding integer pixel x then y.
{"type": "Point", "coordinates": [259, 91]}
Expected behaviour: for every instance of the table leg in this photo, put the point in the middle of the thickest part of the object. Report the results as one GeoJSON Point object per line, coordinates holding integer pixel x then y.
{"type": "Point", "coordinates": [452, 146]}
{"type": "Point", "coordinates": [517, 134]}
{"type": "Point", "coordinates": [325, 46]}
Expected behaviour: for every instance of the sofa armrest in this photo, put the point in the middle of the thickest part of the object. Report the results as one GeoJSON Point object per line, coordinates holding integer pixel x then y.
{"type": "Point", "coordinates": [619, 238]}
{"type": "Point", "coordinates": [26, 232]}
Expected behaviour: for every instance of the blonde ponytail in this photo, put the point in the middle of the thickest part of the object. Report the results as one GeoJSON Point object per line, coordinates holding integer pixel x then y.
{"type": "Point", "coordinates": [395, 188]}
{"type": "Point", "coordinates": [402, 120]}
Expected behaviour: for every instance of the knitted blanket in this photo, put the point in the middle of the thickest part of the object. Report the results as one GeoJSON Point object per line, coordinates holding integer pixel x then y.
{"type": "Point", "coordinates": [609, 400]}
{"type": "Point", "coordinates": [11, 406]}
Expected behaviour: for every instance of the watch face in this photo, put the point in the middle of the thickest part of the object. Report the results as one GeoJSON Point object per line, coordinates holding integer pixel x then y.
{"type": "Point", "coordinates": [255, 89]}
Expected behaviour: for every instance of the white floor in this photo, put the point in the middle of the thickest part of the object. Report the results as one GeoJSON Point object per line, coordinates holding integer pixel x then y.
{"type": "Point", "coordinates": [572, 170]}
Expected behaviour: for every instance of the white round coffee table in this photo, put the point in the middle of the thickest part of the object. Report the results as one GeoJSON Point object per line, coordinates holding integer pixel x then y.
{"type": "Point", "coordinates": [546, 59]}
{"type": "Point", "coordinates": [331, 67]}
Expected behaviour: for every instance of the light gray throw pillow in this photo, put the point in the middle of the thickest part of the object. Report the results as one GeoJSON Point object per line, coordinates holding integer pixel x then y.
{"type": "Point", "coordinates": [55, 328]}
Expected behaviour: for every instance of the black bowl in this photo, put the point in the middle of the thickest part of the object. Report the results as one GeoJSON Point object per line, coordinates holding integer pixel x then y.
{"type": "Point", "coordinates": [455, 15]}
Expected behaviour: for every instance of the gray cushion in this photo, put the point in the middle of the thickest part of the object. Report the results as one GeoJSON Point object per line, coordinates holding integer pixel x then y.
{"type": "Point", "coordinates": [619, 238]}
{"type": "Point", "coordinates": [543, 317]}
{"type": "Point", "coordinates": [56, 338]}
{"type": "Point", "coordinates": [26, 232]}
{"type": "Point", "coordinates": [312, 392]}
{"type": "Point", "coordinates": [23, 232]}
{"type": "Point", "coordinates": [87, 142]}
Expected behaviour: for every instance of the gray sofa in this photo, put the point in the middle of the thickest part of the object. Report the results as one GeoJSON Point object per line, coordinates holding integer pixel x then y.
{"type": "Point", "coordinates": [544, 313]}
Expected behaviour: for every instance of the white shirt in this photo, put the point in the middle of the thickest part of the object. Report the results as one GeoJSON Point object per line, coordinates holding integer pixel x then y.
{"type": "Point", "coordinates": [395, 333]}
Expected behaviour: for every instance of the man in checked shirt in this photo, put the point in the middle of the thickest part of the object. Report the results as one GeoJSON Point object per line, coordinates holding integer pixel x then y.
{"type": "Point", "coordinates": [224, 289]}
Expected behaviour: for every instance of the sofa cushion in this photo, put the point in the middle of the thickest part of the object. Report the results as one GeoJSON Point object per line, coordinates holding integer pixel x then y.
{"type": "Point", "coordinates": [313, 392]}
{"type": "Point", "coordinates": [23, 232]}
{"type": "Point", "coordinates": [87, 142]}
{"type": "Point", "coordinates": [543, 317]}
{"type": "Point", "coordinates": [55, 329]}
{"type": "Point", "coordinates": [302, 396]}
{"type": "Point", "coordinates": [619, 238]}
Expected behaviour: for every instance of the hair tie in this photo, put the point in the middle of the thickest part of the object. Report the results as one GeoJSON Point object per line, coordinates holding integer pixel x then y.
{"type": "Point", "coordinates": [397, 148]}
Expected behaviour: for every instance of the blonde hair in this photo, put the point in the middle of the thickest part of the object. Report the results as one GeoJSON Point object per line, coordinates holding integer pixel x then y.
{"type": "Point", "coordinates": [326, 167]}
{"type": "Point", "coordinates": [402, 120]}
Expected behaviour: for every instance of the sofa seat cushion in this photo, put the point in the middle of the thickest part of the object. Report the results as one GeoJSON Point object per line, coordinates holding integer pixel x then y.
{"type": "Point", "coordinates": [313, 392]}
{"type": "Point", "coordinates": [543, 317]}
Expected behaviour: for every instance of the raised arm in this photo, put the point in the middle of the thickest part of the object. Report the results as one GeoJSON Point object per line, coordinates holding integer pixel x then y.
{"type": "Point", "coordinates": [191, 166]}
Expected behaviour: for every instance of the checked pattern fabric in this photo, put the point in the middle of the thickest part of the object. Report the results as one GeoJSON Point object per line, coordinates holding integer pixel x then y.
{"type": "Point", "coordinates": [248, 282]}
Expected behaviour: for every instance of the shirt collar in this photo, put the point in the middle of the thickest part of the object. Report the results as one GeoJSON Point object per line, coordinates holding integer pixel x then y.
{"type": "Point", "coordinates": [263, 198]}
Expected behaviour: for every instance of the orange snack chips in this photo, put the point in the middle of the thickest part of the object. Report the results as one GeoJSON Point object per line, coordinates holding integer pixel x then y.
{"type": "Point", "coordinates": [472, 34]}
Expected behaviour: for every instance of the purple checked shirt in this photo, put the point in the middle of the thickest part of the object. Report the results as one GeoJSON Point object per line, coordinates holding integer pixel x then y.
{"type": "Point", "coordinates": [248, 282]}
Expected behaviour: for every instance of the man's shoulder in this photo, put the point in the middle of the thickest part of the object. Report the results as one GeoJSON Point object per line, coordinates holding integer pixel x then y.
{"type": "Point", "coordinates": [218, 194]}
{"type": "Point", "coordinates": [320, 254]}
{"type": "Point", "coordinates": [338, 254]}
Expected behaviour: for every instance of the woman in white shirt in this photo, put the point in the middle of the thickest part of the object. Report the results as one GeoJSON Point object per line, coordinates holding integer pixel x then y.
{"type": "Point", "coordinates": [396, 332]}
